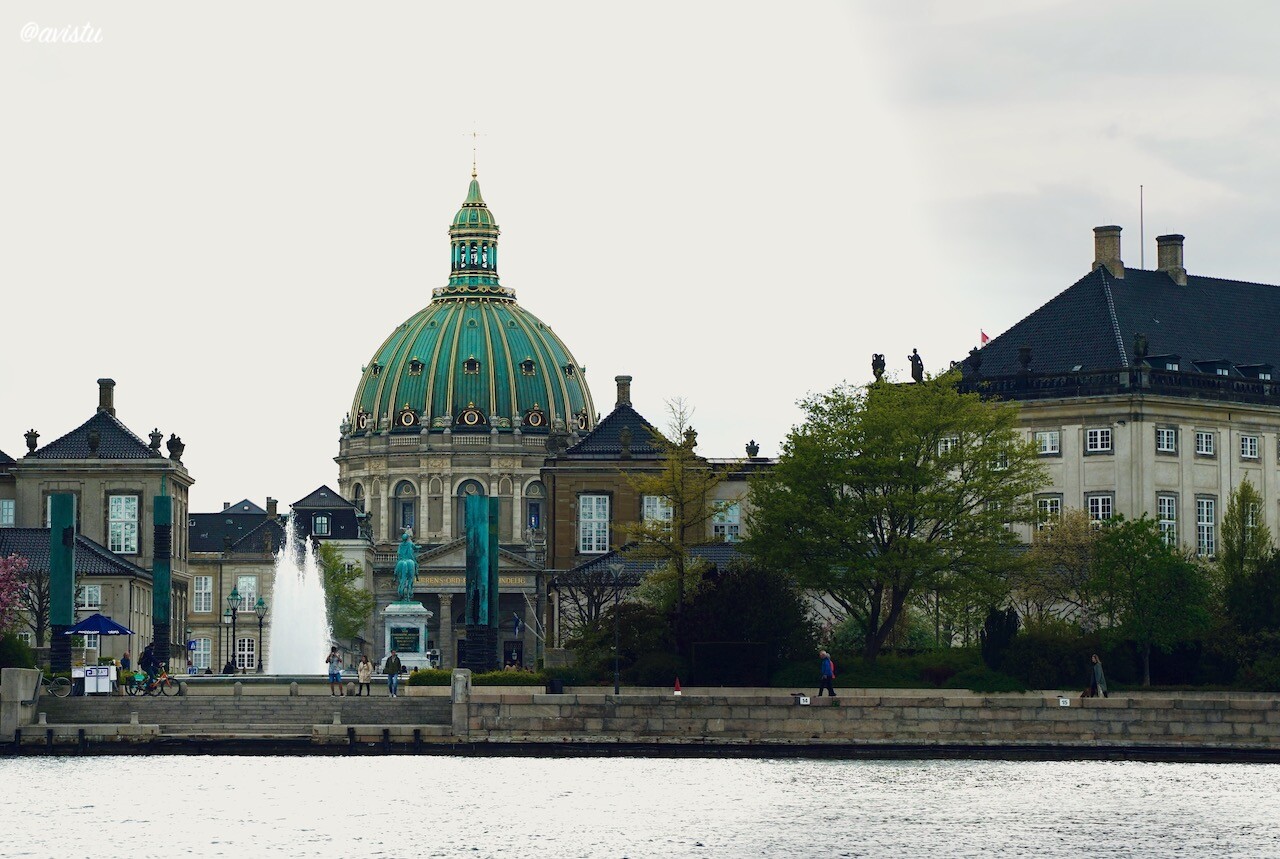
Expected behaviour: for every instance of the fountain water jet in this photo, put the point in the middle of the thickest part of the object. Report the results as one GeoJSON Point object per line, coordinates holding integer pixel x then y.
{"type": "Point", "coordinates": [300, 633]}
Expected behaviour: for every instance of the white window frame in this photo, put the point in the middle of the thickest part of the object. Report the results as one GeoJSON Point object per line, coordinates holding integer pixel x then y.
{"type": "Point", "coordinates": [1251, 514]}
{"type": "Point", "coordinates": [948, 443]}
{"type": "Point", "coordinates": [1101, 506]}
{"type": "Point", "coordinates": [1098, 440]}
{"type": "Point", "coordinates": [656, 508]}
{"type": "Point", "coordinates": [26, 637]}
{"type": "Point", "coordinates": [92, 641]}
{"type": "Point", "coordinates": [7, 512]}
{"type": "Point", "coordinates": [1167, 518]}
{"type": "Point", "coordinates": [593, 524]}
{"type": "Point", "coordinates": [247, 587]}
{"type": "Point", "coordinates": [202, 594]}
{"type": "Point", "coordinates": [89, 597]}
{"type": "Point", "coordinates": [1205, 443]}
{"type": "Point", "coordinates": [1206, 527]}
{"type": "Point", "coordinates": [1166, 440]}
{"type": "Point", "coordinates": [322, 519]}
{"type": "Point", "coordinates": [122, 523]}
{"type": "Point", "coordinates": [1048, 442]}
{"type": "Point", "coordinates": [1048, 506]}
{"type": "Point", "coordinates": [1249, 446]}
{"type": "Point", "coordinates": [726, 522]}
{"type": "Point", "coordinates": [246, 654]}
{"type": "Point", "coordinates": [202, 654]}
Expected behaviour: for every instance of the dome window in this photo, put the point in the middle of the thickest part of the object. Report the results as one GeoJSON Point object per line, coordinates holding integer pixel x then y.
{"type": "Point", "coordinates": [362, 420]}
{"type": "Point", "coordinates": [471, 323]}
{"type": "Point", "coordinates": [375, 368]}
{"type": "Point", "coordinates": [511, 323]}
{"type": "Point", "coordinates": [569, 370]}
{"type": "Point", "coordinates": [471, 417]}
{"type": "Point", "coordinates": [581, 420]}
{"type": "Point", "coordinates": [415, 367]}
{"type": "Point", "coordinates": [527, 366]}
{"type": "Point", "coordinates": [471, 366]}
{"type": "Point", "coordinates": [407, 417]}
{"type": "Point", "coordinates": [535, 418]}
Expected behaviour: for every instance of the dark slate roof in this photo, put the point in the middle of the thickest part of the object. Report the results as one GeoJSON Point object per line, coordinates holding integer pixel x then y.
{"type": "Point", "coordinates": [343, 524]}
{"type": "Point", "coordinates": [208, 532]}
{"type": "Point", "coordinates": [720, 554]}
{"type": "Point", "coordinates": [90, 559]}
{"type": "Point", "coordinates": [268, 537]}
{"type": "Point", "coordinates": [115, 441]}
{"type": "Point", "coordinates": [605, 441]}
{"type": "Point", "coordinates": [323, 498]}
{"type": "Point", "coordinates": [6, 459]}
{"type": "Point", "coordinates": [1092, 324]}
{"type": "Point", "coordinates": [244, 505]}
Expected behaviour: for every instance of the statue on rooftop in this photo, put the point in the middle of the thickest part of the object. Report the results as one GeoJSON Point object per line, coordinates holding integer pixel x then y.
{"type": "Point", "coordinates": [877, 365]}
{"type": "Point", "coordinates": [917, 366]}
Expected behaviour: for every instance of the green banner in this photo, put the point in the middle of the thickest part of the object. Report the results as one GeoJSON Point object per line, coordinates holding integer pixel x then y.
{"type": "Point", "coordinates": [62, 559]}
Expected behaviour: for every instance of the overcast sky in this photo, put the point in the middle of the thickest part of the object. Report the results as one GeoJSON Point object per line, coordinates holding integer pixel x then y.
{"type": "Point", "coordinates": [227, 207]}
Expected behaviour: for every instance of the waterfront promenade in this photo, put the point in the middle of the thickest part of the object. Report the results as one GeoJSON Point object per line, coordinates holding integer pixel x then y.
{"type": "Point", "coordinates": [265, 717]}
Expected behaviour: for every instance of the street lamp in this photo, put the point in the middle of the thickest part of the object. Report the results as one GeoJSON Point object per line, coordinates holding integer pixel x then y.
{"type": "Point", "coordinates": [222, 634]}
{"type": "Point", "coordinates": [260, 609]}
{"type": "Point", "coordinates": [617, 576]}
{"type": "Point", "coordinates": [233, 603]}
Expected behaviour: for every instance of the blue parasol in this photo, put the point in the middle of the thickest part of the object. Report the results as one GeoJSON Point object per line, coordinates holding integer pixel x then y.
{"type": "Point", "coordinates": [99, 624]}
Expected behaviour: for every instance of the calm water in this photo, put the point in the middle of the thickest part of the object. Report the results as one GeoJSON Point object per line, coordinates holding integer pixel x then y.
{"type": "Point", "coordinates": [530, 807]}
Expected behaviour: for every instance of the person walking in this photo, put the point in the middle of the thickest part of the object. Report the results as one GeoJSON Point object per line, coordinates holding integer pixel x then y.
{"type": "Point", "coordinates": [392, 668]}
{"type": "Point", "coordinates": [826, 674]}
{"type": "Point", "coordinates": [334, 661]}
{"type": "Point", "coordinates": [1097, 680]}
{"type": "Point", "coordinates": [364, 671]}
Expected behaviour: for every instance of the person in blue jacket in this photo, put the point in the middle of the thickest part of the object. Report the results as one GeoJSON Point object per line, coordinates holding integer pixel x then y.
{"type": "Point", "coordinates": [827, 671]}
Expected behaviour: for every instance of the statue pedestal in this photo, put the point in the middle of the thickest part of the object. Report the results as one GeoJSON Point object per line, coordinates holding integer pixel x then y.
{"type": "Point", "coordinates": [404, 627]}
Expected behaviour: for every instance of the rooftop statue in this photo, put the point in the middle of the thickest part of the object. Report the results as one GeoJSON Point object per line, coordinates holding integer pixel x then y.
{"type": "Point", "coordinates": [917, 366]}
{"type": "Point", "coordinates": [406, 568]}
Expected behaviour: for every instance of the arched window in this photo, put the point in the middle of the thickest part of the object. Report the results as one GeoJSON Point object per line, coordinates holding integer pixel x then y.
{"type": "Point", "coordinates": [357, 497]}
{"type": "Point", "coordinates": [407, 507]}
{"type": "Point", "coordinates": [465, 488]}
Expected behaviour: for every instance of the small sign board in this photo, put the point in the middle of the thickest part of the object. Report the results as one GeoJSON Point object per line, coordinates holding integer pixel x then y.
{"type": "Point", "coordinates": [1064, 702]}
{"type": "Point", "coordinates": [404, 639]}
{"type": "Point", "coordinates": [802, 700]}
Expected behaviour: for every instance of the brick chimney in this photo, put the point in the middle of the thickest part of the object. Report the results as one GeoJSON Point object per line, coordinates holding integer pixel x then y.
{"type": "Point", "coordinates": [271, 509]}
{"type": "Point", "coordinates": [624, 390]}
{"type": "Point", "coordinates": [1169, 257]}
{"type": "Point", "coordinates": [107, 396]}
{"type": "Point", "coordinates": [226, 504]}
{"type": "Point", "coordinates": [1106, 251]}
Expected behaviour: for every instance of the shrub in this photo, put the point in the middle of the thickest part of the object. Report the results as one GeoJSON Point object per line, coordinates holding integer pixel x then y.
{"type": "Point", "coordinates": [430, 677]}
{"type": "Point", "coordinates": [14, 653]}
{"type": "Point", "coordinates": [1263, 675]}
{"type": "Point", "coordinates": [983, 679]}
{"type": "Point", "coordinates": [656, 669]}
{"type": "Point", "coordinates": [509, 678]}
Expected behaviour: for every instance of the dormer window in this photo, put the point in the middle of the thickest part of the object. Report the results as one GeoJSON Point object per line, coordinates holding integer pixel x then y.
{"type": "Point", "coordinates": [1222, 371]}
{"type": "Point", "coordinates": [415, 367]}
{"type": "Point", "coordinates": [320, 525]}
{"type": "Point", "coordinates": [1171, 365]}
{"type": "Point", "coordinates": [568, 370]}
{"type": "Point", "coordinates": [471, 366]}
{"type": "Point", "coordinates": [527, 366]}
{"type": "Point", "coordinates": [375, 368]}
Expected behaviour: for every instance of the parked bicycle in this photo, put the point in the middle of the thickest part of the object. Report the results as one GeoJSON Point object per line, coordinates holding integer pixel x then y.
{"type": "Point", "coordinates": [59, 687]}
{"type": "Point", "coordinates": [161, 684]}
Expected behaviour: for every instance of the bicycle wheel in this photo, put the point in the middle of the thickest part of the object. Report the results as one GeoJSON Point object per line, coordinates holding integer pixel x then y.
{"type": "Point", "coordinates": [131, 688]}
{"type": "Point", "coordinates": [60, 687]}
{"type": "Point", "coordinates": [169, 686]}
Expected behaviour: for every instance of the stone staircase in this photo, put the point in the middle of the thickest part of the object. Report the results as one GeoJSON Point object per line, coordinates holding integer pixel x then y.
{"type": "Point", "coordinates": [249, 717]}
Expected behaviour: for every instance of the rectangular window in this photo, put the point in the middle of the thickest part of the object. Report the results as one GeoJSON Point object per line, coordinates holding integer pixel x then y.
{"type": "Point", "coordinates": [1206, 527]}
{"type": "Point", "coordinates": [406, 516]}
{"type": "Point", "coordinates": [1167, 517]}
{"type": "Point", "coordinates": [91, 642]}
{"type": "Point", "coordinates": [89, 597]}
{"type": "Point", "coordinates": [535, 515]}
{"type": "Point", "coordinates": [1050, 509]}
{"type": "Point", "coordinates": [247, 654]}
{"type": "Point", "coordinates": [1248, 447]}
{"type": "Point", "coordinates": [202, 653]}
{"type": "Point", "coordinates": [320, 525]}
{"type": "Point", "coordinates": [593, 524]}
{"type": "Point", "coordinates": [48, 510]}
{"type": "Point", "coordinates": [1048, 442]}
{"type": "Point", "coordinates": [946, 444]}
{"type": "Point", "coordinates": [6, 512]}
{"type": "Point", "coordinates": [247, 586]}
{"type": "Point", "coordinates": [1251, 516]}
{"type": "Point", "coordinates": [1204, 443]}
{"type": "Point", "coordinates": [1001, 462]}
{"type": "Point", "coordinates": [656, 508]}
{"type": "Point", "coordinates": [1097, 440]}
{"type": "Point", "coordinates": [1099, 507]}
{"type": "Point", "coordinates": [25, 638]}
{"type": "Point", "coordinates": [122, 524]}
{"type": "Point", "coordinates": [1166, 440]}
{"type": "Point", "coordinates": [726, 524]}
{"type": "Point", "coordinates": [203, 589]}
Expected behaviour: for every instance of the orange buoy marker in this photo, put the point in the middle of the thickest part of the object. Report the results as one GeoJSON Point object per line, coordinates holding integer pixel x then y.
{"type": "Point", "coordinates": [677, 686]}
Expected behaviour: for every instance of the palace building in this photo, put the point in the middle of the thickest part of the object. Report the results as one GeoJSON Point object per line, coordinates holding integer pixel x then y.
{"type": "Point", "coordinates": [1147, 392]}
{"type": "Point", "coordinates": [463, 398]}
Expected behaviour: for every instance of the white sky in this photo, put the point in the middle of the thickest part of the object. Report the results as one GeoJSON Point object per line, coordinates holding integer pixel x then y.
{"type": "Point", "coordinates": [227, 207]}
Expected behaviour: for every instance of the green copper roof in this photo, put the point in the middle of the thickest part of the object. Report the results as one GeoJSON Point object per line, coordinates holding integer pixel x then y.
{"type": "Point", "coordinates": [473, 359]}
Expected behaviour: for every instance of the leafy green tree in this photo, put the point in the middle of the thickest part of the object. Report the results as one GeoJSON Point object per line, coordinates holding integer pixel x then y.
{"type": "Point", "coordinates": [1055, 583]}
{"type": "Point", "coordinates": [1244, 547]}
{"type": "Point", "coordinates": [686, 483]}
{"type": "Point", "coordinates": [891, 490]}
{"type": "Point", "coordinates": [1148, 591]}
{"type": "Point", "coordinates": [349, 605]}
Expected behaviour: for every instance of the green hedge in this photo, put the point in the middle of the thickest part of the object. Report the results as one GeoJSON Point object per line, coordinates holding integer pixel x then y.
{"type": "Point", "coordinates": [443, 677]}
{"type": "Point", "coordinates": [14, 653]}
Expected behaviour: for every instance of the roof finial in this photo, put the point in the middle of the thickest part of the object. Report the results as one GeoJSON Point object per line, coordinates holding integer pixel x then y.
{"type": "Point", "coordinates": [474, 136]}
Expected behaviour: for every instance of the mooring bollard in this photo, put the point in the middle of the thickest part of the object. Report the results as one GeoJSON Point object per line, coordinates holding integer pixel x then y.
{"type": "Point", "coordinates": [182, 689]}
{"type": "Point", "coordinates": [337, 718]}
{"type": "Point", "coordinates": [293, 689]}
{"type": "Point", "coordinates": [133, 717]}
{"type": "Point", "coordinates": [238, 689]}
{"type": "Point", "coordinates": [42, 719]}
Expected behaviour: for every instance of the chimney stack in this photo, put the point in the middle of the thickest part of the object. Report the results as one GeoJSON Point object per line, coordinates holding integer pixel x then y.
{"type": "Point", "coordinates": [624, 390]}
{"type": "Point", "coordinates": [271, 508]}
{"type": "Point", "coordinates": [106, 396]}
{"type": "Point", "coordinates": [226, 504]}
{"type": "Point", "coordinates": [1169, 257]}
{"type": "Point", "coordinates": [1106, 251]}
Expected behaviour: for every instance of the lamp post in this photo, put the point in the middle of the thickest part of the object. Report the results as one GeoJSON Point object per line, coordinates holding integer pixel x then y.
{"type": "Point", "coordinates": [223, 634]}
{"type": "Point", "coordinates": [233, 604]}
{"type": "Point", "coordinates": [617, 577]}
{"type": "Point", "coordinates": [260, 609]}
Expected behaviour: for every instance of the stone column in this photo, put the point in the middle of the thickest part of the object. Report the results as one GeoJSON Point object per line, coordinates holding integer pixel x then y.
{"type": "Point", "coordinates": [530, 641]}
{"type": "Point", "coordinates": [444, 638]}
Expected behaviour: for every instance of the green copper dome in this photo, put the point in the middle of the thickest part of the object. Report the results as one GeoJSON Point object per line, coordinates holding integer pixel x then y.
{"type": "Point", "coordinates": [473, 360]}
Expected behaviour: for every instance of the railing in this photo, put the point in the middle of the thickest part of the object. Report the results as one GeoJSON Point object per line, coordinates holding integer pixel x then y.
{"type": "Point", "coordinates": [1142, 380]}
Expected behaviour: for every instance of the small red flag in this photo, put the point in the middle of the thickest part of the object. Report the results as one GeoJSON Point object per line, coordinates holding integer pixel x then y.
{"type": "Point", "coordinates": [983, 336]}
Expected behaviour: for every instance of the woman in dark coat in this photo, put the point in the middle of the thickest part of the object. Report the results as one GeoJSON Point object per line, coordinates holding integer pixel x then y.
{"type": "Point", "coordinates": [1097, 680]}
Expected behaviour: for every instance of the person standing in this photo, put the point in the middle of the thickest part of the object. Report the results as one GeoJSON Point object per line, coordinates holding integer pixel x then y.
{"type": "Point", "coordinates": [364, 671]}
{"type": "Point", "coordinates": [334, 661]}
{"type": "Point", "coordinates": [392, 667]}
{"type": "Point", "coordinates": [125, 664]}
{"type": "Point", "coordinates": [1097, 680]}
{"type": "Point", "coordinates": [826, 674]}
